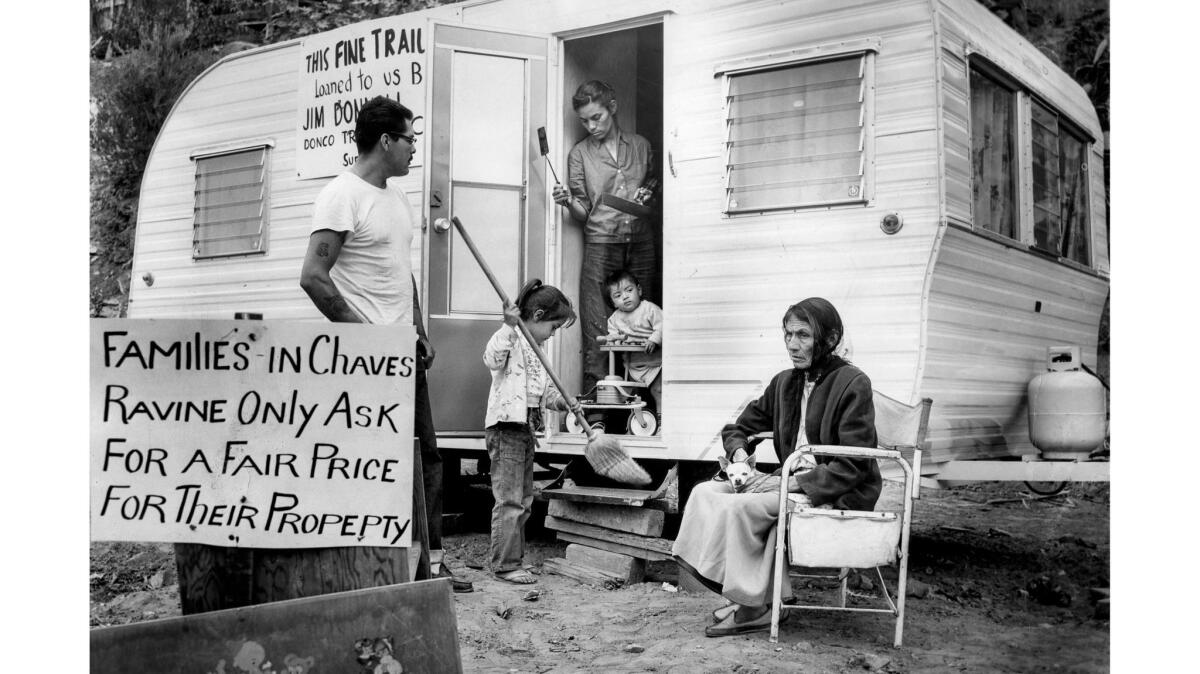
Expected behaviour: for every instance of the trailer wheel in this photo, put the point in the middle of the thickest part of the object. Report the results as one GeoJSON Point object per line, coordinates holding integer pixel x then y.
{"type": "Point", "coordinates": [1046, 488]}
{"type": "Point", "coordinates": [573, 425]}
{"type": "Point", "coordinates": [642, 423]}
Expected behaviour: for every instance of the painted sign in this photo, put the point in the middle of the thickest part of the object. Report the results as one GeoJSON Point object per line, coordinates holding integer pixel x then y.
{"type": "Point", "coordinates": [340, 70]}
{"type": "Point", "coordinates": [268, 434]}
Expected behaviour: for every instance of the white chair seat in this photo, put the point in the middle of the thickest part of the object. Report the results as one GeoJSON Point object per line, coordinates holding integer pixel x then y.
{"type": "Point", "coordinates": [854, 539]}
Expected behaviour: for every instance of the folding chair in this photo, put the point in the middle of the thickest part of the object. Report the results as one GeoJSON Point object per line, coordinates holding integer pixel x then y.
{"type": "Point", "coordinates": [852, 539]}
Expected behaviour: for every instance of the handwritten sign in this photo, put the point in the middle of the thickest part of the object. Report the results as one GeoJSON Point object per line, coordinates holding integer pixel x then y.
{"type": "Point", "coordinates": [342, 69]}
{"type": "Point", "coordinates": [268, 434]}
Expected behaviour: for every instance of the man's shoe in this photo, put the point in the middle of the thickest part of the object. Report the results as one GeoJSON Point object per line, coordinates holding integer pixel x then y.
{"type": "Point", "coordinates": [458, 584]}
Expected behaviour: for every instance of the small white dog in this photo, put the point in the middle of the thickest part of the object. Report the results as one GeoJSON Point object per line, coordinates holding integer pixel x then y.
{"type": "Point", "coordinates": [744, 477]}
{"type": "Point", "coordinates": [742, 474]}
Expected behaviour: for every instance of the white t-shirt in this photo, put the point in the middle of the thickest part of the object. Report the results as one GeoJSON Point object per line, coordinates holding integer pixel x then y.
{"type": "Point", "coordinates": [373, 272]}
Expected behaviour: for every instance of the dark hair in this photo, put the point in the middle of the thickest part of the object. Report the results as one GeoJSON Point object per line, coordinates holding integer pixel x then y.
{"type": "Point", "coordinates": [593, 91]}
{"type": "Point", "coordinates": [376, 117]}
{"type": "Point", "coordinates": [825, 323]}
{"type": "Point", "coordinates": [553, 304]}
{"type": "Point", "coordinates": [615, 278]}
{"type": "Point", "coordinates": [620, 275]}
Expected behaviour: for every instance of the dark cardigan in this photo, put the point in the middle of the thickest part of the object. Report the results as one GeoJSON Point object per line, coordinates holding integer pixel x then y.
{"type": "Point", "coordinates": [840, 412]}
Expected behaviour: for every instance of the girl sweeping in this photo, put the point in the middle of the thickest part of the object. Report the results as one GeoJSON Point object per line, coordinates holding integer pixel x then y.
{"type": "Point", "coordinates": [520, 388]}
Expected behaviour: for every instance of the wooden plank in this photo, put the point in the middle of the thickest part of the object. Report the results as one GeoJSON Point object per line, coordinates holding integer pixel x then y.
{"type": "Point", "coordinates": [630, 569]}
{"type": "Point", "coordinates": [614, 496]}
{"type": "Point", "coordinates": [583, 574]}
{"type": "Point", "coordinates": [630, 519]}
{"type": "Point", "coordinates": [412, 623]}
{"type": "Point", "coordinates": [639, 553]}
{"type": "Point", "coordinates": [648, 543]}
{"type": "Point", "coordinates": [1025, 471]}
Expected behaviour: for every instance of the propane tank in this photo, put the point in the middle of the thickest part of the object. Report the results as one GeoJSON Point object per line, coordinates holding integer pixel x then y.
{"type": "Point", "coordinates": [1066, 407]}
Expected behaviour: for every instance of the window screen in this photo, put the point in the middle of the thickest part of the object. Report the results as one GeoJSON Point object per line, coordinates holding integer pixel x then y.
{"type": "Point", "coordinates": [231, 204]}
{"type": "Point", "coordinates": [796, 136]}
{"type": "Point", "coordinates": [1060, 217]}
{"type": "Point", "coordinates": [993, 156]}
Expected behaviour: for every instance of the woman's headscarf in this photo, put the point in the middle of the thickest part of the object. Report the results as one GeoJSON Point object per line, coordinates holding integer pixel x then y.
{"type": "Point", "coordinates": [826, 325]}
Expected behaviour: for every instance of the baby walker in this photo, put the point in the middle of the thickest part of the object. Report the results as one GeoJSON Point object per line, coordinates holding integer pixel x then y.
{"type": "Point", "coordinates": [615, 392]}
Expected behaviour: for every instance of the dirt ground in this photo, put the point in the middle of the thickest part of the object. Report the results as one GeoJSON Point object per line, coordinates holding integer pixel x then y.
{"type": "Point", "coordinates": [1006, 583]}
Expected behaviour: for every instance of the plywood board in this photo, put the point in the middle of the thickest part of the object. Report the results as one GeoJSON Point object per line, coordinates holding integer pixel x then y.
{"type": "Point", "coordinates": [630, 519]}
{"type": "Point", "coordinates": [412, 624]}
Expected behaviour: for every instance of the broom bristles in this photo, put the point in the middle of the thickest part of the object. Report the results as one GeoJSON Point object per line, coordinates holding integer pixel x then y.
{"type": "Point", "coordinates": [609, 458]}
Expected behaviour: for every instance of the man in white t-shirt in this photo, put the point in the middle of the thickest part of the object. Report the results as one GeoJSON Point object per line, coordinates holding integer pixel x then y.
{"type": "Point", "coordinates": [358, 269]}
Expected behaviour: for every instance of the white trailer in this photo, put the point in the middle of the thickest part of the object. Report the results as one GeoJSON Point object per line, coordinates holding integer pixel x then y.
{"type": "Point", "coordinates": [915, 161]}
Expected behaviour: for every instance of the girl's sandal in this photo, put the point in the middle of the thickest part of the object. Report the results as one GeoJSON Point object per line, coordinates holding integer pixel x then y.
{"type": "Point", "coordinates": [517, 576]}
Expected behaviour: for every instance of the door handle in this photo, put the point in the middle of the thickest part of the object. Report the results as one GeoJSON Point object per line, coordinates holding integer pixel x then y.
{"type": "Point", "coordinates": [435, 199]}
{"type": "Point", "coordinates": [441, 225]}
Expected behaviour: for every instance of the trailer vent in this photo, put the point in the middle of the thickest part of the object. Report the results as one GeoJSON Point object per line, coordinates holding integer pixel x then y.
{"type": "Point", "coordinates": [231, 204]}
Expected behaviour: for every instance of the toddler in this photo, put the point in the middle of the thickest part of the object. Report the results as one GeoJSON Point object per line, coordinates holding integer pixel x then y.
{"type": "Point", "coordinates": [520, 388]}
{"type": "Point", "coordinates": [637, 320]}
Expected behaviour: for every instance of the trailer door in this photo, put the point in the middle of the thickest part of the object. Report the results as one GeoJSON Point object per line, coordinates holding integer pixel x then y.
{"type": "Point", "coordinates": [488, 91]}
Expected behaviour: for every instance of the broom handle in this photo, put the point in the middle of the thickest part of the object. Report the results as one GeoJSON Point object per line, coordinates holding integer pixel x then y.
{"type": "Point", "coordinates": [574, 404]}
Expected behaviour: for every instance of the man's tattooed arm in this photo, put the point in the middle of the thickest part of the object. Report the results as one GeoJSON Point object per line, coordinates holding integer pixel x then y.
{"type": "Point", "coordinates": [336, 309]}
{"type": "Point", "coordinates": [323, 249]}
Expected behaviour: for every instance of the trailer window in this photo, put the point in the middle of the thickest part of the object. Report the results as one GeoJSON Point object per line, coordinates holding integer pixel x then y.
{"type": "Point", "coordinates": [231, 204]}
{"type": "Point", "coordinates": [1060, 185]}
{"type": "Point", "coordinates": [796, 136]}
{"type": "Point", "coordinates": [993, 155]}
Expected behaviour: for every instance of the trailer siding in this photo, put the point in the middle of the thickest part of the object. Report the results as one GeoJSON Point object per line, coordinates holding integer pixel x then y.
{"type": "Point", "coordinates": [729, 279]}
{"type": "Point", "coordinates": [246, 97]}
{"type": "Point", "coordinates": [987, 338]}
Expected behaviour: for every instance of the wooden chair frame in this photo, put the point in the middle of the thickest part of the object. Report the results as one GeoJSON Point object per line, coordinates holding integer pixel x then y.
{"type": "Point", "coordinates": [905, 423]}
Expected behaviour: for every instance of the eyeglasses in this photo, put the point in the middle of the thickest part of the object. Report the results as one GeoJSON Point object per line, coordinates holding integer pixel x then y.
{"type": "Point", "coordinates": [412, 140]}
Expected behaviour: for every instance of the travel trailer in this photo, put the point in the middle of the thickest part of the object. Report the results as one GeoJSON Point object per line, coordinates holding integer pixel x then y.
{"type": "Point", "coordinates": [916, 162]}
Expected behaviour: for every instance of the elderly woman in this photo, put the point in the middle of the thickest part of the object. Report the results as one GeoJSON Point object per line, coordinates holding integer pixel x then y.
{"type": "Point", "coordinates": [726, 539]}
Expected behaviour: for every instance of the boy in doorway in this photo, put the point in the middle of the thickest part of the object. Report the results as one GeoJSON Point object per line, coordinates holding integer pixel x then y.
{"type": "Point", "coordinates": [635, 320]}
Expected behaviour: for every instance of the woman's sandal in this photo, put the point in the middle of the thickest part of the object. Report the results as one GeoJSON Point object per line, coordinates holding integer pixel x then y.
{"type": "Point", "coordinates": [730, 626]}
{"type": "Point", "coordinates": [516, 576]}
{"type": "Point", "coordinates": [723, 612]}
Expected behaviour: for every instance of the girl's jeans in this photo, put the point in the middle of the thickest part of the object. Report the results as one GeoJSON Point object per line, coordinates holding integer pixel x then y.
{"type": "Point", "coordinates": [510, 447]}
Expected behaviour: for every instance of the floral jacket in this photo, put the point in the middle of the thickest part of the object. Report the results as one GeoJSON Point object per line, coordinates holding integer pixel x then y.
{"type": "Point", "coordinates": [516, 371]}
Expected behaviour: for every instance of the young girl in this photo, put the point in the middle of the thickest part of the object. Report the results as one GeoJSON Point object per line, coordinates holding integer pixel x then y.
{"type": "Point", "coordinates": [520, 388]}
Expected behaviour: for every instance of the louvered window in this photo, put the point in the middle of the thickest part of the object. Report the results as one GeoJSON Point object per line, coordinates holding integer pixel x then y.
{"type": "Point", "coordinates": [797, 135]}
{"type": "Point", "coordinates": [231, 204]}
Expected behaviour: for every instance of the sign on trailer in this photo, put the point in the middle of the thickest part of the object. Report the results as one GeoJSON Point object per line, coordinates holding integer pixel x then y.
{"type": "Point", "coordinates": [341, 69]}
{"type": "Point", "coordinates": [268, 434]}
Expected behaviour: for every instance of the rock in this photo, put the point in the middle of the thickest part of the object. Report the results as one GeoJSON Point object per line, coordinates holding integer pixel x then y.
{"type": "Point", "coordinates": [532, 595]}
{"type": "Point", "coordinates": [503, 610]}
{"type": "Point", "coordinates": [634, 648]}
{"type": "Point", "coordinates": [869, 661]}
{"type": "Point", "coordinates": [918, 589]}
{"type": "Point", "coordinates": [1050, 592]}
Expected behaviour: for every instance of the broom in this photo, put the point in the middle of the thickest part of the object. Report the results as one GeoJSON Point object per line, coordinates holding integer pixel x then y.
{"type": "Point", "coordinates": [603, 452]}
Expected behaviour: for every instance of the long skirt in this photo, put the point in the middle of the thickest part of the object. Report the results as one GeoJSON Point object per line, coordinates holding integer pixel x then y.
{"type": "Point", "coordinates": [727, 541]}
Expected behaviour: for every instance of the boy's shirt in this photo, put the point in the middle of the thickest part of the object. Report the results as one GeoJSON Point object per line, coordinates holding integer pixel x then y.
{"type": "Point", "coordinates": [646, 317]}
